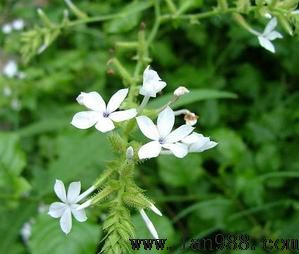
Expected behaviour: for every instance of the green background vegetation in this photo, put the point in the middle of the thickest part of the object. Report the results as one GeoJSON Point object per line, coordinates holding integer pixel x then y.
{"type": "Point", "coordinates": [248, 184]}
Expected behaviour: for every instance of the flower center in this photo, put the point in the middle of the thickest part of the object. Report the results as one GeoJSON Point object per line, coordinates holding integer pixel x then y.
{"type": "Point", "coordinates": [161, 141]}
{"type": "Point", "coordinates": [105, 114]}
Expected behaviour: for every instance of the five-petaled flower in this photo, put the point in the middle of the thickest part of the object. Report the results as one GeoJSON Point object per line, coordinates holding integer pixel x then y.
{"type": "Point", "coordinates": [162, 135]}
{"type": "Point", "coordinates": [100, 115]}
{"type": "Point", "coordinates": [152, 83]}
{"type": "Point", "coordinates": [198, 143]}
{"type": "Point", "coordinates": [68, 207]}
{"type": "Point", "coordinates": [269, 35]}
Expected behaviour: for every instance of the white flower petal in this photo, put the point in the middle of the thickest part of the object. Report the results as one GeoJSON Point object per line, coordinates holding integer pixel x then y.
{"type": "Point", "coordinates": [202, 146]}
{"type": "Point", "coordinates": [165, 122]}
{"type": "Point", "coordinates": [116, 100]}
{"type": "Point", "coordinates": [92, 100]}
{"type": "Point", "coordinates": [57, 209]}
{"type": "Point", "coordinates": [179, 150]}
{"type": "Point", "coordinates": [18, 24]}
{"type": "Point", "coordinates": [104, 125]}
{"type": "Point", "coordinates": [270, 26]}
{"type": "Point", "coordinates": [149, 224]}
{"type": "Point", "coordinates": [192, 138]}
{"type": "Point", "coordinates": [179, 133]}
{"type": "Point", "coordinates": [123, 115]}
{"type": "Point", "coordinates": [85, 119]}
{"type": "Point", "coordinates": [60, 190]}
{"type": "Point", "coordinates": [150, 75]}
{"type": "Point", "coordinates": [152, 83]}
{"type": "Point", "coordinates": [149, 150]}
{"type": "Point", "coordinates": [73, 192]}
{"type": "Point", "coordinates": [266, 44]}
{"type": "Point", "coordinates": [79, 215]}
{"type": "Point", "coordinates": [10, 69]}
{"type": "Point", "coordinates": [147, 127]}
{"type": "Point", "coordinates": [66, 221]}
{"type": "Point", "coordinates": [6, 28]}
{"type": "Point", "coordinates": [274, 35]}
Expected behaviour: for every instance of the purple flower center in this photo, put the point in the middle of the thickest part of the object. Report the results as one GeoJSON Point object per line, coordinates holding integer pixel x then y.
{"type": "Point", "coordinates": [105, 114]}
{"type": "Point", "coordinates": [161, 141]}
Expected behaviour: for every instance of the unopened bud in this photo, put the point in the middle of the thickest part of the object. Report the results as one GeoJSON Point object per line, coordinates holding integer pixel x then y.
{"type": "Point", "coordinates": [190, 118]}
{"type": "Point", "coordinates": [130, 153]}
{"type": "Point", "coordinates": [180, 91]}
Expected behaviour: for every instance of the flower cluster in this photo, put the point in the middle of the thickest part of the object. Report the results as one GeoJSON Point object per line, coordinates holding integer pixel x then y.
{"type": "Point", "coordinates": [164, 139]}
{"type": "Point", "coordinates": [17, 24]}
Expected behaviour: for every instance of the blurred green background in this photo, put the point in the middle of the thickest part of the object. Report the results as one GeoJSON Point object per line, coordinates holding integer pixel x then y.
{"type": "Point", "coordinates": [248, 184]}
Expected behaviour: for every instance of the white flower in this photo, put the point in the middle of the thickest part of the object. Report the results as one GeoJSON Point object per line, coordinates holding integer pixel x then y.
{"type": "Point", "coordinates": [15, 104]}
{"type": "Point", "coordinates": [100, 115]}
{"type": "Point", "coordinates": [269, 35]}
{"type": "Point", "coordinates": [198, 143]}
{"type": "Point", "coordinates": [18, 24]}
{"type": "Point", "coordinates": [26, 231]}
{"type": "Point", "coordinates": [162, 135]}
{"type": "Point", "coordinates": [10, 69]}
{"type": "Point", "coordinates": [180, 91]}
{"type": "Point", "coordinates": [6, 28]}
{"type": "Point", "coordinates": [148, 222]}
{"type": "Point", "coordinates": [68, 207]}
{"type": "Point", "coordinates": [7, 91]}
{"type": "Point", "coordinates": [152, 83]}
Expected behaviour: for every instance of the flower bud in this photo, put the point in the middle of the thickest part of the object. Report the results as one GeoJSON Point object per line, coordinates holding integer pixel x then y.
{"type": "Point", "coordinates": [190, 118]}
{"type": "Point", "coordinates": [180, 91]}
{"type": "Point", "coordinates": [130, 153]}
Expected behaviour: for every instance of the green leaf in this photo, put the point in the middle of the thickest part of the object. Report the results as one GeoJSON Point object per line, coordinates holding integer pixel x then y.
{"type": "Point", "coordinates": [230, 146]}
{"type": "Point", "coordinates": [129, 18]}
{"type": "Point", "coordinates": [11, 222]}
{"type": "Point", "coordinates": [47, 237]}
{"type": "Point", "coordinates": [194, 96]}
{"type": "Point", "coordinates": [77, 156]}
{"type": "Point", "coordinates": [180, 172]}
{"type": "Point", "coordinates": [12, 158]}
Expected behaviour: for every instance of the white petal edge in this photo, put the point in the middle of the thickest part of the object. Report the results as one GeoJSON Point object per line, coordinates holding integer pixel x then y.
{"type": "Point", "coordinates": [179, 133]}
{"type": "Point", "coordinates": [149, 224]}
{"type": "Point", "coordinates": [73, 192]}
{"type": "Point", "coordinates": [270, 26]}
{"type": "Point", "coordinates": [66, 221]}
{"type": "Point", "coordinates": [165, 121]}
{"type": "Point", "coordinates": [79, 214]}
{"type": "Point", "coordinates": [56, 209]}
{"type": "Point", "coordinates": [123, 115]}
{"type": "Point", "coordinates": [92, 100]}
{"type": "Point", "coordinates": [104, 125]}
{"type": "Point", "coordinates": [149, 150]}
{"type": "Point", "coordinates": [85, 119]}
{"type": "Point", "coordinates": [192, 138]}
{"type": "Point", "coordinates": [266, 44]}
{"type": "Point", "coordinates": [197, 147]}
{"type": "Point", "coordinates": [147, 127]}
{"type": "Point", "coordinates": [179, 150]}
{"type": "Point", "coordinates": [116, 100]}
{"type": "Point", "coordinates": [60, 190]}
{"type": "Point", "coordinates": [274, 35]}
